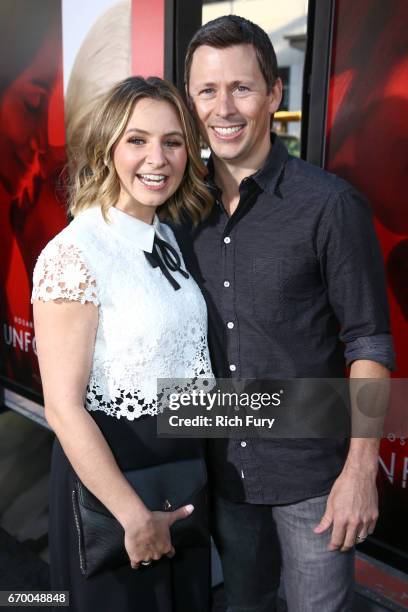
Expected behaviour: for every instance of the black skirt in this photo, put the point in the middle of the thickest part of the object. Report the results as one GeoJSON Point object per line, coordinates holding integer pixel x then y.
{"type": "Point", "coordinates": [181, 584]}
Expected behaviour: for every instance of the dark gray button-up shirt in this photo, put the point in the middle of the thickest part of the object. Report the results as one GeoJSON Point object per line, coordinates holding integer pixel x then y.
{"type": "Point", "coordinates": [294, 283]}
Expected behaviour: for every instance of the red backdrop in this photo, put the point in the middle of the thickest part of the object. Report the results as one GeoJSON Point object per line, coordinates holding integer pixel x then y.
{"type": "Point", "coordinates": [148, 22]}
{"type": "Point", "coordinates": [31, 139]}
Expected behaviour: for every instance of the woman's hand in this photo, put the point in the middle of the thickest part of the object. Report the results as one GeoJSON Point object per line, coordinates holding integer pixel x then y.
{"type": "Point", "coordinates": [147, 538]}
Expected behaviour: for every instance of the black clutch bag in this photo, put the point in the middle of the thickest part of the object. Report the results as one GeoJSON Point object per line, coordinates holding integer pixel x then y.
{"type": "Point", "coordinates": [162, 488]}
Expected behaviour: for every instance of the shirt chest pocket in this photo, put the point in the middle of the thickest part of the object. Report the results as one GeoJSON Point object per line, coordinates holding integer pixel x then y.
{"type": "Point", "coordinates": [282, 288]}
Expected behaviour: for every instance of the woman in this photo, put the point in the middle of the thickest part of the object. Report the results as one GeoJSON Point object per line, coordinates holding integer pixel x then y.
{"type": "Point", "coordinates": [109, 322]}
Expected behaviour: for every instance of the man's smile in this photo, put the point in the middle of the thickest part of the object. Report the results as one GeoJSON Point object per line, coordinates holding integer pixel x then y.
{"type": "Point", "coordinates": [228, 132]}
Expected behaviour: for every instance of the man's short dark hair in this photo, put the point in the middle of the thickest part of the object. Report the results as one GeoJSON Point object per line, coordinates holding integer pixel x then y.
{"type": "Point", "coordinates": [231, 30]}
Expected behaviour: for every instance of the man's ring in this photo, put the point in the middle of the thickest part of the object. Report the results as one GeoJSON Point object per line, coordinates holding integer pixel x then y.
{"type": "Point", "coordinates": [360, 538]}
{"type": "Point", "coordinates": [146, 563]}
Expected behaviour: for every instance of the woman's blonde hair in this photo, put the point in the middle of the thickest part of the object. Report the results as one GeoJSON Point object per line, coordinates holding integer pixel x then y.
{"type": "Point", "coordinates": [95, 178]}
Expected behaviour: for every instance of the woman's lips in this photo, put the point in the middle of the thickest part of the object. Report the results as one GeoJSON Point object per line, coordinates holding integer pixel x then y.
{"type": "Point", "coordinates": [153, 182]}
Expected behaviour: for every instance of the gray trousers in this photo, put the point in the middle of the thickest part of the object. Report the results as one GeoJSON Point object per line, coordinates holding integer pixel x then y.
{"type": "Point", "coordinates": [258, 543]}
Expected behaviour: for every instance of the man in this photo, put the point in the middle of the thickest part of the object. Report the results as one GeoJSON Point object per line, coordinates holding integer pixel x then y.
{"type": "Point", "coordinates": [293, 278]}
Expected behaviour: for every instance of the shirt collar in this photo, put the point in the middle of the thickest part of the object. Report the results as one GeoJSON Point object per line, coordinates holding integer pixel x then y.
{"type": "Point", "coordinates": [141, 234]}
{"type": "Point", "coordinates": [266, 177]}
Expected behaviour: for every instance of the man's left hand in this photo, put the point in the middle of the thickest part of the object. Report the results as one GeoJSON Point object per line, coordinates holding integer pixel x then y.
{"type": "Point", "coordinates": [351, 510]}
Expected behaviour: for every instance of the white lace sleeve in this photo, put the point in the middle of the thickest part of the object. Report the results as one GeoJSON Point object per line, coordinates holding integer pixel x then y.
{"type": "Point", "coordinates": [61, 272]}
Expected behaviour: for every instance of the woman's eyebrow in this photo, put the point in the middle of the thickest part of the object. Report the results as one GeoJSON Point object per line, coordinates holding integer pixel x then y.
{"type": "Point", "coordinates": [140, 131]}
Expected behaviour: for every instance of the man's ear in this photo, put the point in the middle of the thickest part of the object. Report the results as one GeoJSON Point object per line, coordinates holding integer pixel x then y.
{"type": "Point", "coordinates": [275, 96]}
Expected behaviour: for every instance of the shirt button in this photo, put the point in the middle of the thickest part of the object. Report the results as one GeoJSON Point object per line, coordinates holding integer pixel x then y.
{"type": "Point", "coordinates": [232, 367]}
{"type": "Point", "coordinates": [230, 325]}
{"type": "Point", "coordinates": [243, 444]}
{"type": "Point", "coordinates": [226, 283]}
{"type": "Point", "coordinates": [227, 239]}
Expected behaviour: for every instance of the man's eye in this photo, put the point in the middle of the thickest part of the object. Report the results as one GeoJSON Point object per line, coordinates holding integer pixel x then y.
{"type": "Point", "coordinates": [241, 88]}
{"type": "Point", "coordinates": [136, 141]}
{"type": "Point", "coordinates": [207, 92]}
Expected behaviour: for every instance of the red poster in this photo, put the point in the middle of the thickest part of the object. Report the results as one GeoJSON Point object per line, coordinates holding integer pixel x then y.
{"type": "Point", "coordinates": [148, 37]}
{"type": "Point", "coordinates": [367, 143]}
{"type": "Point", "coordinates": [32, 158]}
{"type": "Point", "coordinates": [45, 48]}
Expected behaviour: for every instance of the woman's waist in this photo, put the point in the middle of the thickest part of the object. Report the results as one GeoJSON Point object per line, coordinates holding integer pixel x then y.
{"type": "Point", "coordinates": [137, 444]}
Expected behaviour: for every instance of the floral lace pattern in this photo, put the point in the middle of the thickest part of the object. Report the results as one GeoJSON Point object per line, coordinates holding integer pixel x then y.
{"type": "Point", "coordinates": [146, 330]}
{"type": "Point", "coordinates": [136, 402]}
{"type": "Point", "coordinates": [60, 273]}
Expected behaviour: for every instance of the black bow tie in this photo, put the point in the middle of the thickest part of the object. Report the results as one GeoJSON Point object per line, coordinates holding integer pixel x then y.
{"type": "Point", "coordinates": [167, 259]}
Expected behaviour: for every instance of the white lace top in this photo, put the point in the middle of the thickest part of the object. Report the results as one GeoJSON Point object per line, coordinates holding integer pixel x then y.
{"type": "Point", "coordinates": [146, 329]}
